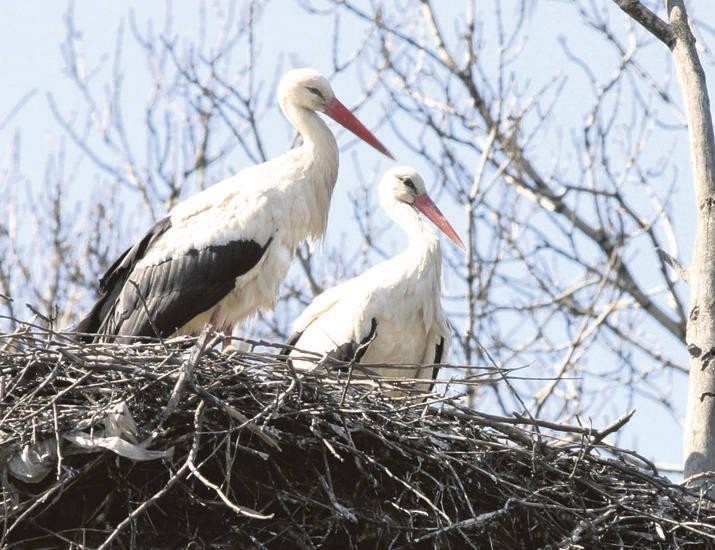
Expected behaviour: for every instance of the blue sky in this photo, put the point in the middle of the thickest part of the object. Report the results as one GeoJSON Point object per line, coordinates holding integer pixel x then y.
{"type": "Point", "coordinates": [33, 31]}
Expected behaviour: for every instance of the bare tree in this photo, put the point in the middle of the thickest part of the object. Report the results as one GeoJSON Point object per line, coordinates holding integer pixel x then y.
{"type": "Point", "coordinates": [568, 267]}
{"type": "Point", "coordinates": [678, 36]}
{"type": "Point", "coordinates": [562, 174]}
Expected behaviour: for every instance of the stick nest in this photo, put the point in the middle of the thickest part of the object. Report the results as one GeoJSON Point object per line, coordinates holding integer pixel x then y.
{"type": "Point", "coordinates": [256, 455]}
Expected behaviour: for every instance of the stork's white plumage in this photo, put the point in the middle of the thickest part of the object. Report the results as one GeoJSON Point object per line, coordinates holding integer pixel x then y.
{"type": "Point", "coordinates": [221, 255]}
{"type": "Point", "coordinates": [392, 313]}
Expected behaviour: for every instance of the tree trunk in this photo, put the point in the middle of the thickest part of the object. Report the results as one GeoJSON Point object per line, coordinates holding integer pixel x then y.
{"type": "Point", "coordinates": [699, 437]}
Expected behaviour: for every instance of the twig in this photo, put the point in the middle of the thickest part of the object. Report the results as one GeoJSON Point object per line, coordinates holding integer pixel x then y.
{"type": "Point", "coordinates": [654, 24]}
{"type": "Point", "coordinates": [674, 264]}
{"type": "Point", "coordinates": [198, 420]}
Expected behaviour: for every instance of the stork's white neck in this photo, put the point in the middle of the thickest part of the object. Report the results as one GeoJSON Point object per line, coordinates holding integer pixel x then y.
{"type": "Point", "coordinates": [422, 240]}
{"type": "Point", "coordinates": [420, 264]}
{"type": "Point", "coordinates": [315, 133]}
{"type": "Point", "coordinates": [318, 164]}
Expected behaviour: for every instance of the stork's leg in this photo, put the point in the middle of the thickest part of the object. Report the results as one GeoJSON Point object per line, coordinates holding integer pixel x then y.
{"type": "Point", "coordinates": [228, 332]}
{"type": "Point", "coordinates": [213, 320]}
{"type": "Point", "coordinates": [214, 323]}
{"type": "Point", "coordinates": [225, 328]}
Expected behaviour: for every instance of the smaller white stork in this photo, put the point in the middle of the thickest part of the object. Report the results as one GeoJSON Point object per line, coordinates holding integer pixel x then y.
{"type": "Point", "coordinates": [392, 313]}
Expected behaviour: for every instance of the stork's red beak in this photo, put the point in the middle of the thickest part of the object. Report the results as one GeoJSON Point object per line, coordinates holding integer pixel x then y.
{"type": "Point", "coordinates": [342, 115]}
{"type": "Point", "coordinates": [425, 205]}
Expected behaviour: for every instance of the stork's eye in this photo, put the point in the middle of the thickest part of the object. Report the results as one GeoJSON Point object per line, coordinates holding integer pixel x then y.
{"type": "Point", "coordinates": [409, 183]}
{"type": "Point", "coordinates": [316, 92]}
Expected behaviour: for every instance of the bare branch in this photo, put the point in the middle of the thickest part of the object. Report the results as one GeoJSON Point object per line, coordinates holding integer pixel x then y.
{"type": "Point", "coordinates": [650, 21]}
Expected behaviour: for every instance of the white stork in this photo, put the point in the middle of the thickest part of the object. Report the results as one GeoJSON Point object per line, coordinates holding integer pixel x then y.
{"type": "Point", "coordinates": [221, 255]}
{"type": "Point", "coordinates": [392, 313]}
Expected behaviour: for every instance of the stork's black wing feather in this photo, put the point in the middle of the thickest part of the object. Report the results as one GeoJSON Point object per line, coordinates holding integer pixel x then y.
{"type": "Point", "coordinates": [160, 298]}
{"type": "Point", "coordinates": [287, 347]}
{"type": "Point", "coordinates": [354, 351]}
{"type": "Point", "coordinates": [112, 281]}
{"type": "Point", "coordinates": [128, 259]}
{"type": "Point", "coordinates": [438, 352]}
{"type": "Point", "coordinates": [293, 340]}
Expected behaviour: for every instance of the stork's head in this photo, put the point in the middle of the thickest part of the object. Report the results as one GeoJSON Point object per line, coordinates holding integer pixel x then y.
{"type": "Point", "coordinates": [308, 89]}
{"type": "Point", "coordinates": [305, 88]}
{"type": "Point", "coordinates": [403, 184]}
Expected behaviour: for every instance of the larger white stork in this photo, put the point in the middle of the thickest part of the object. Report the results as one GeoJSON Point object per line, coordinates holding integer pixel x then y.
{"type": "Point", "coordinates": [221, 255]}
{"type": "Point", "coordinates": [392, 313]}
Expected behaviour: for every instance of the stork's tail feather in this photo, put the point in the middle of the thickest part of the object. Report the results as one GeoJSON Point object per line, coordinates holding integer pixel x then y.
{"type": "Point", "coordinates": [90, 325]}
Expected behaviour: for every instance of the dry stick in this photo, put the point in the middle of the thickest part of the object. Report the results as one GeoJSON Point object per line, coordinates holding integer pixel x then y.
{"type": "Point", "coordinates": [11, 337]}
{"type": "Point", "coordinates": [275, 404]}
{"type": "Point", "coordinates": [125, 366]}
{"type": "Point", "coordinates": [409, 487]}
{"type": "Point", "coordinates": [49, 378]}
{"type": "Point", "coordinates": [57, 396]}
{"type": "Point", "coordinates": [186, 374]}
{"type": "Point", "coordinates": [58, 439]}
{"type": "Point", "coordinates": [198, 423]}
{"type": "Point", "coordinates": [600, 435]}
{"type": "Point", "coordinates": [477, 521]}
{"type": "Point", "coordinates": [232, 412]}
{"type": "Point", "coordinates": [521, 420]}
{"type": "Point", "coordinates": [513, 391]}
{"type": "Point", "coordinates": [597, 435]}
{"type": "Point", "coordinates": [240, 510]}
